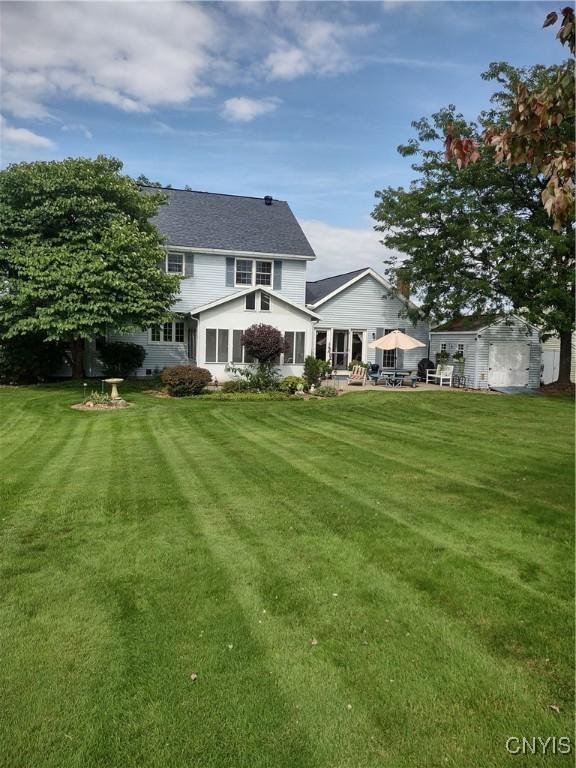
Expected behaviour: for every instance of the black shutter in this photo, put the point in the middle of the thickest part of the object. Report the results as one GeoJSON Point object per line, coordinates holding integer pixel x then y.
{"type": "Point", "coordinates": [379, 352]}
{"type": "Point", "coordinates": [230, 271]}
{"type": "Point", "coordinates": [277, 285]}
{"type": "Point", "coordinates": [189, 265]}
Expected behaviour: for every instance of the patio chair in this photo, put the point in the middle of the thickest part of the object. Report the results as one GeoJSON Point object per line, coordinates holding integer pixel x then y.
{"type": "Point", "coordinates": [442, 375]}
{"type": "Point", "coordinates": [373, 372]}
{"type": "Point", "coordinates": [357, 376]}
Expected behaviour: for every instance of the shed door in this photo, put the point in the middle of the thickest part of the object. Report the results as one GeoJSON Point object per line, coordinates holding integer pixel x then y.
{"type": "Point", "coordinates": [508, 364]}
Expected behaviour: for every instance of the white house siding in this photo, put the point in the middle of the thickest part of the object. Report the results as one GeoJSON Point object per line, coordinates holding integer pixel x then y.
{"type": "Point", "coordinates": [551, 359]}
{"type": "Point", "coordinates": [368, 306]}
{"type": "Point", "coordinates": [159, 355]}
{"type": "Point", "coordinates": [233, 316]}
{"type": "Point", "coordinates": [477, 349]}
{"type": "Point", "coordinates": [209, 282]}
{"type": "Point", "coordinates": [452, 340]}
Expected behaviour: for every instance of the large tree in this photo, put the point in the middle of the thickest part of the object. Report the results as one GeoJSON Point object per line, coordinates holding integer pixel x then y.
{"type": "Point", "coordinates": [478, 239]}
{"type": "Point", "coordinates": [78, 254]}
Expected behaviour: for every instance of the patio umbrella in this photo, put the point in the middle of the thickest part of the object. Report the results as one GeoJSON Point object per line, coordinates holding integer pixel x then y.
{"type": "Point", "coordinates": [395, 340]}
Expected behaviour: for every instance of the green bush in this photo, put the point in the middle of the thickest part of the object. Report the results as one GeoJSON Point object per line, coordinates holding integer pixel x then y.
{"type": "Point", "coordinates": [100, 398]}
{"type": "Point", "coordinates": [234, 385]}
{"type": "Point", "coordinates": [120, 358]}
{"type": "Point", "coordinates": [249, 396]}
{"type": "Point", "coordinates": [29, 359]}
{"type": "Point", "coordinates": [184, 380]}
{"type": "Point", "coordinates": [313, 370]}
{"type": "Point", "coordinates": [258, 377]}
{"type": "Point", "coordinates": [325, 392]}
{"type": "Point", "coordinates": [292, 384]}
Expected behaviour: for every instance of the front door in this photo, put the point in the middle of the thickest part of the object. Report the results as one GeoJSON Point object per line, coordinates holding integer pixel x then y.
{"type": "Point", "coordinates": [508, 364]}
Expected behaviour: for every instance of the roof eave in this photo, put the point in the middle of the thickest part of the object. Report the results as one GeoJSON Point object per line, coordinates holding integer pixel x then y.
{"type": "Point", "coordinates": [241, 254]}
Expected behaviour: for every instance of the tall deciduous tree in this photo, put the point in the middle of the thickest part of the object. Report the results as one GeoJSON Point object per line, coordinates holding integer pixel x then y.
{"type": "Point", "coordinates": [537, 129]}
{"type": "Point", "coordinates": [478, 239]}
{"type": "Point", "coordinates": [78, 254]}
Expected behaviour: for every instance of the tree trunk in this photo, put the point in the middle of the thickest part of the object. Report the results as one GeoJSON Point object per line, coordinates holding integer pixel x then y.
{"type": "Point", "coordinates": [77, 353]}
{"type": "Point", "coordinates": [565, 357]}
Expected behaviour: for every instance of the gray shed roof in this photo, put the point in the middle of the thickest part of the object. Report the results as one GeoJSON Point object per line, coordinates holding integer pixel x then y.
{"type": "Point", "coordinates": [466, 323]}
{"type": "Point", "coordinates": [320, 288]}
{"type": "Point", "coordinates": [230, 223]}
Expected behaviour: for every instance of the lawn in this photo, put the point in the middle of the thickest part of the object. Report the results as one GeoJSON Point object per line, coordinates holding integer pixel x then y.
{"type": "Point", "coordinates": [382, 579]}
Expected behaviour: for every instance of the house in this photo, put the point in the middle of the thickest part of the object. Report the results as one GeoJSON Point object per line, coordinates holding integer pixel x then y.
{"type": "Point", "coordinates": [242, 261]}
{"type": "Point", "coordinates": [551, 359]}
{"type": "Point", "coordinates": [498, 351]}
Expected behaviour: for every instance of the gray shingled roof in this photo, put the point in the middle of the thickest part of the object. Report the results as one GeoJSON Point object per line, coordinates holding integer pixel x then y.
{"type": "Point", "coordinates": [320, 288]}
{"type": "Point", "coordinates": [230, 222]}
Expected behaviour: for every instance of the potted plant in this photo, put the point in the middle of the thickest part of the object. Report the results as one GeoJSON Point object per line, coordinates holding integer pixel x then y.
{"type": "Point", "coordinates": [458, 359]}
{"type": "Point", "coordinates": [442, 358]}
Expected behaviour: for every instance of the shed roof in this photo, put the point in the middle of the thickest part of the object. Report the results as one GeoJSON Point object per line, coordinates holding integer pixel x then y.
{"type": "Point", "coordinates": [466, 323]}
{"type": "Point", "coordinates": [230, 223]}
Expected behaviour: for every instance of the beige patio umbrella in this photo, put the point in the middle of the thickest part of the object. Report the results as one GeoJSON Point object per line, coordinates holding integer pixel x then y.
{"type": "Point", "coordinates": [396, 340]}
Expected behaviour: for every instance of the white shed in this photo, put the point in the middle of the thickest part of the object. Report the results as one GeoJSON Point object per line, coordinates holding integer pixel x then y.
{"type": "Point", "coordinates": [499, 352]}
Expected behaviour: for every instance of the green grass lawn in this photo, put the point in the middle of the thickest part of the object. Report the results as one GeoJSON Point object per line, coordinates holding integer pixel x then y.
{"type": "Point", "coordinates": [382, 579]}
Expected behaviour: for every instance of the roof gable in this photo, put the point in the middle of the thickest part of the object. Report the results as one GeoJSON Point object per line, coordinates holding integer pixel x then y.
{"type": "Point", "coordinates": [251, 289]}
{"type": "Point", "coordinates": [213, 221]}
{"type": "Point", "coordinates": [319, 289]}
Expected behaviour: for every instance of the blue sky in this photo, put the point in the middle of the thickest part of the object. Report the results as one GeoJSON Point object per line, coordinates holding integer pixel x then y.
{"type": "Point", "coordinates": [304, 101]}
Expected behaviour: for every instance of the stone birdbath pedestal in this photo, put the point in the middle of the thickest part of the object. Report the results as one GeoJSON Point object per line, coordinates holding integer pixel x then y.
{"type": "Point", "coordinates": [114, 382]}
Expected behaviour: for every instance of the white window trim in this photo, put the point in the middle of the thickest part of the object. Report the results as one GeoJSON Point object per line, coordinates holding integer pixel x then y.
{"type": "Point", "coordinates": [330, 341]}
{"type": "Point", "coordinates": [258, 302]}
{"type": "Point", "coordinates": [283, 358]}
{"type": "Point", "coordinates": [176, 253]}
{"type": "Point", "coordinates": [230, 332]}
{"type": "Point", "coordinates": [253, 283]}
{"type": "Point", "coordinates": [161, 341]}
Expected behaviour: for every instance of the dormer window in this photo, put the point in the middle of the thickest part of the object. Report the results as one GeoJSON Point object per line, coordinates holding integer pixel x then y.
{"type": "Point", "coordinates": [175, 263]}
{"type": "Point", "coordinates": [253, 272]}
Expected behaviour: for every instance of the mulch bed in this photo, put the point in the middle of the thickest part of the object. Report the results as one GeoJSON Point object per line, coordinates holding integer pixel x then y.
{"type": "Point", "coordinates": [115, 405]}
{"type": "Point", "coordinates": [558, 389]}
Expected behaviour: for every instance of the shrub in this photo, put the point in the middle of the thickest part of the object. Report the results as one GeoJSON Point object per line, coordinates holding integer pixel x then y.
{"type": "Point", "coordinates": [355, 363]}
{"type": "Point", "coordinates": [99, 398]}
{"type": "Point", "coordinates": [325, 392]}
{"type": "Point", "coordinates": [30, 358]}
{"type": "Point", "coordinates": [120, 358]}
{"type": "Point", "coordinates": [256, 377]}
{"type": "Point", "coordinates": [313, 370]}
{"type": "Point", "coordinates": [292, 384]}
{"type": "Point", "coordinates": [183, 380]}
{"type": "Point", "coordinates": [234, 385]}
{"type": "Point", "coordinates": [263, 342]}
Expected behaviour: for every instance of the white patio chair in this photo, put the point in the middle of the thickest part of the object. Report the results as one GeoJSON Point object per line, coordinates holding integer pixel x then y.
{"type": "Point", "coordinates": [442, 375]}
{"type": "Point", "coordinates": [357, 375]}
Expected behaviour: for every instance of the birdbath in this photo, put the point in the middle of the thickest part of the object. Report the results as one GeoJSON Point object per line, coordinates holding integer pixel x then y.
{"type": "Point", "coordinates": [114, 394]}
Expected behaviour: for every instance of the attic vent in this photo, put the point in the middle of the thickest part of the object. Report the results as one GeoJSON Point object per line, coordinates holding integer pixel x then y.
{"type": "Point", "coordinates": [268, 200]}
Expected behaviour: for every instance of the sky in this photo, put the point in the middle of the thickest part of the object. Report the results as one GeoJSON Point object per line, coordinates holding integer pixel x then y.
{"type": "Point", "coordinates": [305, 101]}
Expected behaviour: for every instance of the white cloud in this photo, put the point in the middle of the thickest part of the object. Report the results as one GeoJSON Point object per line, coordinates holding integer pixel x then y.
{"type": "Point", "coordinates": [22, 137]}
{"type": "Point", "coordinates": [243, 110]}
{"type": "Point", "coordinates": [139, 56]}
{"type": "Point", "coordinates": [67, 127]}
{"type": "Point", "coordinates": [312, 45]}
{"type": "Point", "coordinates": [342, 249]}
{"type": "Point", "coordinates": [133, 56]}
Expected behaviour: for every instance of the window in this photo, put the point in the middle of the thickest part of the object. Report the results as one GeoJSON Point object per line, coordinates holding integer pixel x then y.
{"type": "Point", "coordinates": [251, 301]}
{"type": "Point", "coordinates": [443, 347]}
{"type": "Point", "coordinates": [216, 345]}
{"type": "Point", "coordinates": [460, 348]}
{"type": "Point", "coordinates": [239, 354]}
{"type": "Point", "coordinates": [168, 332]}
{"type": "Point", "coordinates": [253, 272]}
{"type": "Point", "coordinates": [357, 345]}
{"type": "Point", "coordinates": [390, 356]}
{"type": "Point", "coordinates": [175, 263]}
{"type": "Point", "coordinates": [263, 273]}
{"type": "Point", "coordinates": [295, 341]}
{"type": "Point", "coordinates": [243, 272]}
{"type": "Point", "coordinates": [264, 302]}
